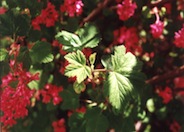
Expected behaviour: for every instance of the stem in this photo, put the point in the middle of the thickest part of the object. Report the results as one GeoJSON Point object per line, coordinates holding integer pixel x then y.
{"type": "Point", "coordinates": [170, 75]}
{"type": "Point", "coordinates": [100, 70]}
{"type": "Point", "coordinates": [96, 11]}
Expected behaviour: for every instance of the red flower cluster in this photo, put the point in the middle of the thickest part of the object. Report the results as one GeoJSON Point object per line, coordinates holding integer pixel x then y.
{"type": "Point", "coordinates": [15, 94]}
{"type": "Point", "coordinates": [72, 7]}
{"type": "Point", "coordinates": [47, 17]}
{"type": "Point", "coordinates": [59, 126]}
{"type": "Point", "coordinates": [179, 38]}
{"type": "Point", "coordinates": [166, 94]}
{"type": "Point", "coordinates": [2, 10]}
{"type": "Point", "coordinates": [126, 9]}
{"type": "Point", "coordinates": [55, 43]}
{"type": "Point", "coordinates": [51, 91]}
{"type": "Point", "coordinates": [125, 35]}
{"type": "Point", "coordinates": [157, 29]}
{"type": "Point", "coordinates": [175, 127]}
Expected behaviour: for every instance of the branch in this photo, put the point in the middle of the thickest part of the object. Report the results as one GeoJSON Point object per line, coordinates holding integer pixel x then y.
{"type": "Point", "coordinates": [159, 3]}
{"type": "Point", "coordinates": [166, 76]}
{"type": "Point", "coordinates": [96, 11]}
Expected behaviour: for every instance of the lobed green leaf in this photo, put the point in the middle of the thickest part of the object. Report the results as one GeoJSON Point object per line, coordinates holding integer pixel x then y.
{"type": "Point", "coordinates": [77, 67]}
{"type": "Point", "coordinates": [41, 52]}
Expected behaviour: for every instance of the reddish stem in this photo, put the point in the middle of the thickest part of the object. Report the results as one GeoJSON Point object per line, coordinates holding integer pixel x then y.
{"type": "Point", "coordinates": [96, 11]}
{"type": "Point", "coordinates": [172, 74]}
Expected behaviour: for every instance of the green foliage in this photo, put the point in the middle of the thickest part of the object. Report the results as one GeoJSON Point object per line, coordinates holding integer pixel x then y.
{"type": "Point", "coordinates": [3, 54]}
{"type": "Point", "coordinates": [24, 57]}
{"type": "Point", "coordinates": [13, 24]}
{"type": "Point", "coordinates": [70, 99]}
{"type": "Point", "coordinates": [118, 88]}
{"type": "Point", "coordinates": [76, 122]}
{"type": "Point", "coordinates": [41, 53]}
{"type": "Point", "coordinates": [77, 67]}
{"type": "Point", "coordinates": [118, 85]}
{"type": "Point", "coordinates": [102, 91]}
{"type": "Point", "coordinates": [87, 37]}
{"type": "Point", "coordinates": [96, 121]}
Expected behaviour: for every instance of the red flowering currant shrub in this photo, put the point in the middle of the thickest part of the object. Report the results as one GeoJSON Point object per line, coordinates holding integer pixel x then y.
{"type": "Point", "coordinates": [91, 65]}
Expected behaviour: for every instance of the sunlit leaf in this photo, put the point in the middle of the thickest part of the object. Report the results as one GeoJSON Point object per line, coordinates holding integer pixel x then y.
{"type": "Point", "coordinates": [77, 66]}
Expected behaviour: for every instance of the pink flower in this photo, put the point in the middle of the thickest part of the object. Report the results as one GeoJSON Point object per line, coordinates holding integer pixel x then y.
{"type": "Point", "coordinates": [48, 17]}
{"type": "Point", "coordinates": [166, 95]}
{"type": "Point", "coordinates": [128, 37]}
{"type": "Point", "coordinates": [157, 29]}
{"type": "Point", "coordinates": [72, 7]}
{"type": "Point", "coordinates": [15, 94]}
{"type": "Point", "coordinates": [179, 38]}
{"type": "Point", "coordinates": [2, 10]}
{"type": "Point", "coordinates": [51, 92]}
{"type": "Point", "coordinates": [59, 126]}
{"type": "Point", "coordinates": [126, 9]}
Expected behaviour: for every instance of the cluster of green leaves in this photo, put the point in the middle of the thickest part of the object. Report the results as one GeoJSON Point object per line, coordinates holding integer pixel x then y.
{"type": "Point", "coordinates": [115, 96]}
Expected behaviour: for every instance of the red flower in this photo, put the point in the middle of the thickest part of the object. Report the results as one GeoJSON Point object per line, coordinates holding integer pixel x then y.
{"type": "Point", "coordinates": [59, 126]}
{"type": "Point", "coordinates": [175, 127]}
{"type": "Point", "coordinates": [2, 10]}
{"type": "Point", "coordinates": [126, 9]}
{"type": "Point", "coordinates": [72, 7]}
{"type": "Point", "coordinates": [179, 84]}
{"type": "Point", "coordinates": [51, 92]}
{"type": "Point", "coordinates": [87, 52]}
{"type": "Point", "coordinates": [48, 17]}
{"type": "Point", "coordinates": [157, 29]}
{"type": "Point", "coordinates": [179, 38]}
{"type": "Point", "coordinates": [166, 95]}
{"type": "Point", "coordinates": [55, 43]}
{"type": "Point", "coordinates": [125, 35]}
{"type": "Point", "coordinates": [15, 94]}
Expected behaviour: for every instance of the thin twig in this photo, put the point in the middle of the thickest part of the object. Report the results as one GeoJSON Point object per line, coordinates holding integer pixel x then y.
{"type": "Point", "coordinates": [96, 11]}
{"type": "Point", "coordinates": [166, 76]}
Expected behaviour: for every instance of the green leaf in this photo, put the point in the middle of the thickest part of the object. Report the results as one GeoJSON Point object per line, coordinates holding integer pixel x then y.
{"type": "Point", "coordinates": [92, 59]}
{"type": "Point", "coordinates": [87, 37]}
{"type": "Point", "coordinates": [3, 54]}
{"type": "Point", "coordinates": [14, 24]}
{"type": "Point", "coordinates": [76, 122]}
{"type": "Point", "coordinates": [122, 62]}
{"type": "Point", "coordinates": [77, 66]}
{"type": "Point", "coordinates": [24, 57]}
{"type": "Point", "coordinates": [124, 77]}
{"type": "Point", "coordinates": [119, 87]}
{"type": "Point", "coordinates": [70, 41]}
{"type": "Point", "coordinates": [70, 99]}
{"type": "Point", "coordinates": [79, 87]}
{"type": "Point", "coordinates": [96, 121]}
{"type": "Point", "coordinates": [41, 53]}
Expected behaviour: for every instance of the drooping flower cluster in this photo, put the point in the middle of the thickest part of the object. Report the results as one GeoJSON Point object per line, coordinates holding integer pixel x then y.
{"type": "Point", "coordinates": [15, 94]}
{"type": "Point", "coordinates": [48, 17]}
{"type": "Point", "coordinates": [59, 126]}
{"type": "Point", "coordinates": [166, 95]}
{"type": "Point", "coordinates": [179, 38]}
{"type": "Point", "coordinates": [51, 92]}
{"type": "Point", "coordinates": [129, 37]}
{"type": "Point", "coordinates": [72, 7]}
{"type": "Point", "coordinates": [157, 29]}
{"type": "Point", "coordinates": [126, 9]}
